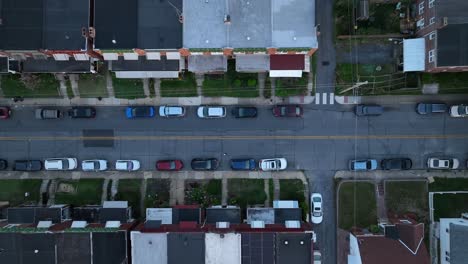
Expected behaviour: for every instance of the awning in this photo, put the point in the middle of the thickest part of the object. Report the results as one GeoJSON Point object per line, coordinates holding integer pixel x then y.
{"type": "Point", "coordinates": [253, 63]}
{"type": "Point", "coordinates": [284, 73]}
{"type": "Point", "coordinates": [147, 74]}
{"type": "Point", "coordinates": [207, 63]}
{"type": "Point", "coordinates": [287, 62]}
{"type": "Point", "coordinates": [414, 55]}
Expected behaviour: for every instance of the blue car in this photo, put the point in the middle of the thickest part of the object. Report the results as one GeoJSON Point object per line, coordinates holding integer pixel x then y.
{"type": "Point", "coordinates": [139, 111]}
{"type": "Point", "coordinates": [243, 164]}
{"type": "Point", "coordinates": [363, 165]}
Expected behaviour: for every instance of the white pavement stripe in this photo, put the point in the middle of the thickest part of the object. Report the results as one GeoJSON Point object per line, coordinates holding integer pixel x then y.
{"type": "Point", "coordinates": [332, 98]}
{"type": "Point", "coordinates": [324, 98]}
{"type": "Point", "coordinates": [317, 98]}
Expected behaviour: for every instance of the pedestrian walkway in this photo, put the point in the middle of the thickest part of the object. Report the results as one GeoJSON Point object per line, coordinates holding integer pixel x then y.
{"type": "Point", "coordinates": [399, 99]}
{"type": "Point", "coordinates": [412, 174]}
{"type": "Point", "coordinates": [324, 98]}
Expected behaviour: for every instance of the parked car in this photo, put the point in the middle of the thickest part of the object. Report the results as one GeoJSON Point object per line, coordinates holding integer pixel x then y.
{"type": "Point", "coordinates": [396, 164]}
{"type": "Point", "coordinates": [27, 165]}
{"type": "Point", "coordinates": [48, 113]}
{"type": "Point", "coordinates": [273, 164]}
{"type": "Point", "coordinates": [82, 112]}
{"type": "Point", "coordinates": [169, 165]}
{"type": "Point", "coordinates": [139, 111]}
{"type": "Point", "coordinates": [3, 164]}
{"type": "Point", "coordinates": [443, 163]}
{"type": "Point", "coordinates": [205, 164]}
{"type": "Point", "coordinates": [5, 112]}
{"type": "Point", "coordinates": [127, 165]}
{"type": "Point", "coordinates": [61, 164]}
{"type": "Point", "coordinates": [243, 164]}
{"type": "Point", "coordinates": [244, 112]}
{"type": "Point", "coordinates": [211, 111]}
{"type": "Point", "coordinates": [317, 212]}
{"type": "Point", "coordinates": [171, 111]}
{"type": "Point", "coordinates": [288, 111]}
{"type": "Point", "coordinates": [431, 108]}
{"type": "Point", "coordinates": [368, 110]}
{"type": "Point", "coordinates": [459, 111]}
{"type": "Point", "coordinates": [363, 165]}
{"type": "Point", "coordinates": [94, 165]}
{"type": "Point", "coordinates": [317, 257]}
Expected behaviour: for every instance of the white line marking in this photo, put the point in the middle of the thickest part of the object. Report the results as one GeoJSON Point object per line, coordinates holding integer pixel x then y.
{"type": "Point", "coordinates": [332, 98]}
{"type": "Point", "coordinates": [324, 98]}
{"type": "Point", "coordinates": [317, 98]}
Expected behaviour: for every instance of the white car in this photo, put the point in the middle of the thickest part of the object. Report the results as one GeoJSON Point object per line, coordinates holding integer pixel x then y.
{"type": "Point", "coordinates": [317, 257]}
{"type": "Point", "coordinates": [171, 111]}
{"type": "Point", "coordinates": [94, 165]}
{"type": "Point", "coordinates": [273, 164]}
{"type": "Point", "coordinates": [443, 163]}
{"type": "Point", "coordinates": [459, 111]}
{"type": "Point", "coordinates": [317, 212]}
{"type": "Point", "coordinates": [127, 165]}
{"type": "Point", "coordinates": [211, 111]}
{"type": "Point", "coordinates": [61, 164]}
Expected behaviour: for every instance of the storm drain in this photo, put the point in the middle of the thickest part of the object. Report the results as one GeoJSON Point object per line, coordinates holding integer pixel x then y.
{"type": "Point", "coordinates": [98, 138]}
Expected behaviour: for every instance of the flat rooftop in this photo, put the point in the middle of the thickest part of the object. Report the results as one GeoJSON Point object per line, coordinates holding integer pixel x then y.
{"type": "Point", "coordinates": [144, 24]}
{"type": "Point", "coordinates": [149, 247]}
{"type": "Point", "coordinates": [223, 248]}
{"type": "Point", "coordinates": [252, 24]}
{"type": "Point", "coordinates": [51, 24]}
{"type": "Point", "coordinates": [186, 248]}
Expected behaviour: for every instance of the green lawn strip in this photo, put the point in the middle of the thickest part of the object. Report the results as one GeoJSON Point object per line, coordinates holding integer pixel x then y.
{"type": "Point", "coordinates": [69, 88]}
{"type": "Point", "coordinates": [271, 189]}
{"type": "Point", "coordinates": [448, 185]}
{"type": "Point", "coordinates": [449, 82]}
{"type": "Point", "coordinates": [294, 190]}
{"type": "Point", "coordinates": [32, 85]}
{"type": "Point", "coordinates": [450, 205]}
{"type": "Point", "coordinates": [87, 191]}
{"type": "Point", "coordinates": [129, 190]}
{"type": "Point", "coordinates": [92, 85]}
{"type": "Point", "coordinates": [267, 91]}
{"type": "Point", "coordinates": [407, 197]}
{"type": "Point", "coordinates": [292, 86]}
{"type": "Point", "coordinates": [203, 193]}
{"type": "Point", "coordinates": [184, 87]}
{"type": "Point", "coordinates": [157, 193]}
{"type": "Point", "coordinates": [357, 205]}
{"type": "Point", "coordinates": [245, 192]}
{"type": "Point", "coordinates": [128, 88]}
{"type": "Point", "coordinates": [14, 191]}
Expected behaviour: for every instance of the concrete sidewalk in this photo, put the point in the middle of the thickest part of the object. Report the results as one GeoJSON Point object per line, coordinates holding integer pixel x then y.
{"type": "Point", "coordinates": [379, 175]}
{"type": "Point", "coordinates": [401, 99]}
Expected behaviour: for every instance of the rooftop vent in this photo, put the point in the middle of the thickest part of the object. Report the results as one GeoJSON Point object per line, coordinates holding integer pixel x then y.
{"type": "Point", "coordinates": [112, 224]}
{"type": "Point", "coordinates": [79, 224]}
{"type": "Point", "coordinates": [257, 224]}
{"type": "Point", "coordinates": [292, 224]}
{"type": "Point", "coordinates": [222, 224]}
{"type": "Point", "coordinates": [44, 224]}
{"type": "Point", "coordinates": [227, 19]}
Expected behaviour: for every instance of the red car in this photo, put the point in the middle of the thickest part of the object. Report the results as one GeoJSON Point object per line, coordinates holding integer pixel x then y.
{"type": "Point", "coordinates": [5, 112]}
{"type": "Point", "coordinates": [169, 165]}
{"type": "Point", "coordinates": [288, 111]}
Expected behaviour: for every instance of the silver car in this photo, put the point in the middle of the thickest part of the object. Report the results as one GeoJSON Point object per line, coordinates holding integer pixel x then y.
{"type": "Point", "coordinates": [171, 111]}
{"type": "Point", "coordinates": [211, 111]}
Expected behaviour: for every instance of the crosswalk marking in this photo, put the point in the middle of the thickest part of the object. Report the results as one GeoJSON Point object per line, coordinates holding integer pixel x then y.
{"type": "Point", "coordinates": [323, 99]}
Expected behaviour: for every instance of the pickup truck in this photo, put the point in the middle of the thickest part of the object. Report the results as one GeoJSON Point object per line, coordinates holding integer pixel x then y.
{"type": "Point", "coordinates": [47, 113]}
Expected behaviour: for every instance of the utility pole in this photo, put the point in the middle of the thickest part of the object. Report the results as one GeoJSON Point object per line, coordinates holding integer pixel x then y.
{"type": "Point", "coordinates": [357, 85]}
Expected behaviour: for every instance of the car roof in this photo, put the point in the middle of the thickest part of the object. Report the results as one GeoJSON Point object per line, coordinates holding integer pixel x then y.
{"type": "Point", "coordinates": [215, 110]}
{"type": "Point", "coordinates": [360, 164]}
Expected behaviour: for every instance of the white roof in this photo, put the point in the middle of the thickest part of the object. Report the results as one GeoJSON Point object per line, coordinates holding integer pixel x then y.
{"type": "Point", "coordinates": [414, 54]}
{"type": "Point", "coordinates": [285, 204]}
{"type": "Point", "coordinates": [148, 247]}
{"type": "Point", "coordinates": [115, 204]}
{"type": "Point", "coordinates": [286, 73]}
{"type": "Point", "coordinates": [292, 224]}
{"type": "Point", "coordinates": [162, 214]}
{"type": "Point", "coordinates": [79, 224]}
{"type": "Point", "coordinates": [226, 249]}
{"type": "Point", "coordinates": [445, 236]}
{"type": "Point", "coordinates": [112, 224]}
{"type": "Point", "coordinates": [257, 224]}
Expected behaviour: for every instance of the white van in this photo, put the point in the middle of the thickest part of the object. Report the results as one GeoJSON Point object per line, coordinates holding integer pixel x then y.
{"type": "Point", "coordinates": [61, 164]}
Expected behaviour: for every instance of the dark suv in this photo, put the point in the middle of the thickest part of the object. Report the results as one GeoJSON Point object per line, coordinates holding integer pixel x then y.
{"type": "Point", "coordinates": [429, 108]}
{"type": "Point", "coordinates": [28, 165]}
{"type": "Point", "coordinates": [82, 112]}
{"type": "Point", "coordinates": [205, 164]}
{"type": "Point", "coordinates": [368, 110]}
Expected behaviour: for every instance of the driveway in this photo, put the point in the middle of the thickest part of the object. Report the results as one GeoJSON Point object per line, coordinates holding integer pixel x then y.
{"type": "Point", "coordinates": [368, 53]}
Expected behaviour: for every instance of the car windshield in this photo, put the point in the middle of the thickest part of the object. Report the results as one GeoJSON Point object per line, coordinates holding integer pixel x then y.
{"type": "Point", "coordinates": [368, 164]}
{"type": "Point", "coordinates": [462, 110]}
{"type": "Point", "coordinates": [450, 163]}
{"type": "Point", "coordinates": [129, 165]}
{"type": "Point", "coordinates": [65, 163]}
{"type": "Point", "coordinates": [316, 199]}
{"type": "Point", "coordinates": [208, 164]}
{"type": "Point", "coordinates": [317, 257]}
{"type": "Point", "coordinates": [96, 164]}
{"type": "Point", "coordinates": [205, 111]}
{"type": "Point", "coordinates": [317, 214]}
{"type": "Point", "coordinates": [172, 165]}
{"type": "Point", "coordinates": [277, 163]}
{"type": "Point", "coordinates": [436, 163]}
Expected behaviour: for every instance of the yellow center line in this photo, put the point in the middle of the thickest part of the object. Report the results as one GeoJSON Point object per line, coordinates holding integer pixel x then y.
{"type": "Point", "coordinates": [251, 137]}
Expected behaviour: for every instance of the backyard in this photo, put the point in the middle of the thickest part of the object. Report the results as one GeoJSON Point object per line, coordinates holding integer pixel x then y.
{"type": "Point", "coordinates": [127, 88]}
{"type": "Point", "coordinates": [448, 185]}
{"type": "Point", "coordinates": [30, 85]}
{"type": "Point", "coordinates": [294, 190]}
{"type": "Point", "coordinates": [19, 192]}
{"type": "Point", "coordinates": [449, 82]}
{"type": "Point", "coordinates": [157, 193]}
{"type": "Point", "coordinates": [450, 205]}
{"type": "Point", "coordinates": [356, 205]}
{"type": "Point", "coordinates": [79, 192]}
{"type": "Point", "coordinates": [403, 197]}
{"type": "Point", "coordinates": [203, 192]}
{"type": "Point", "coordinates": [186, 86]}
{"type": "Point", "coordinates": [246, 192]}
{"type": "Point", "coordinates": [130, 190]}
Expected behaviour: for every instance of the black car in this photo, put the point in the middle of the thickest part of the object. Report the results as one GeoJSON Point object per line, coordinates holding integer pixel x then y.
{"type": "Point", "coordinates": [244, 112]}
{"type": "Point", "coordinates": [396, 164]}
{"type": "Point", "coordinates": [205, 164]}
{"type": "Point", "coordinates": [368, 110]}
{"type": "Point", "coordinates": [82, 112]}
{"type": "Point", "coordinates": [28, 165]}
{"type": "Point", "coordinates": [429, 108]}
{"type": "Point", "coordinates": [3, 164]}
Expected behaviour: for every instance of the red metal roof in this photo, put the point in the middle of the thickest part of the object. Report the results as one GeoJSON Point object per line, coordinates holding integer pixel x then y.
{"type": "Point", "coordinates": [287, 62]}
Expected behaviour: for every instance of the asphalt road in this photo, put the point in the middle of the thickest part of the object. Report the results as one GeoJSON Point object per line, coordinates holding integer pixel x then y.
{"type": "Point", "coordinates": [320, 143]}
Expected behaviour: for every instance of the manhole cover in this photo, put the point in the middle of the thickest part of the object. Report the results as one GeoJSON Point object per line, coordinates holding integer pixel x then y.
{"type": "Point", "coordinates": [325, 63]}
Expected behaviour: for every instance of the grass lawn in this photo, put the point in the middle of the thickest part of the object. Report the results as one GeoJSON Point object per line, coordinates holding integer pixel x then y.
{"type": "Point", "coordinates": [357, 205]}
{"type": "Point", "coordinates": [34, 85]}
{"type": "Point", "coordinates": [292, 86]}
{"type": "Point", "coordinates": [448, 185]}
{"type": "Point", "coordinates": [14, 190]}
{"type": "Point", "coordinates": [407, 197]}
{"type": "Point", "coordinates": [231, 84]}
{"type": "Point", "coordinates": [449, 82]}
{"type": "Point", "coordinates": [450, 205]}
{"type": "Point", "coordinates": [294, 190]}
{"type": "Point", "coordinates": [129, 190]}
{"type": "Point", "coordinates": [87, 192]}
{"type": "Point", "coordinates": [184, 87]}
{"type": "Point", "coordinates": [157, 193]}
{"type": "Point", "coordinates": [92, 85]}
{"type": "Point", "coordinates": [244, 192]}
{"type": "Point", "coordinates": [203, 193]}
{"type": "Point", "coordinates": [127, 88]}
